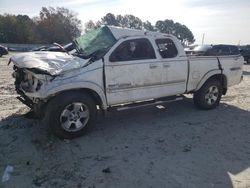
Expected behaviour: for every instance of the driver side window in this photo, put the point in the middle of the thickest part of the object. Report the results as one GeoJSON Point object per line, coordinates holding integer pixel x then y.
{"type": "Point", "coordinates": [135, 49]}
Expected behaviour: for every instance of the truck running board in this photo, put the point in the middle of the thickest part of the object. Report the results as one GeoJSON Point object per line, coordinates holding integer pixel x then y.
{"type": "Point", "coordinates": [148, 103]}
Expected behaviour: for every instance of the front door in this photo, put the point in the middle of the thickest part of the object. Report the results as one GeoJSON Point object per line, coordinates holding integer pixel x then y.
{"type": "Point", "coordinates": [132, 72]}
{"type": "Point", "coordinates": [175, 67]}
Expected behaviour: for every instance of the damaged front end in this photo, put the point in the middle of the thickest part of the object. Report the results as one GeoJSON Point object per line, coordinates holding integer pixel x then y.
{"type": "Point", "coordinates": [41, 75]}
{"type": "Point", "coordinates": [34, 72]}
{"type": "Point", "coordinates": [29, 85]}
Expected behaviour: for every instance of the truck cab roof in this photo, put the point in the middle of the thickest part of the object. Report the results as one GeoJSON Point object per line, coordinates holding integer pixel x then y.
{"type": "Point", "coordinates": [120, 32]}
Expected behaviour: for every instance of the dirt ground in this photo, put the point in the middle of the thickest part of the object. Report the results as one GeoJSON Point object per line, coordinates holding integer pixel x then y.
{"type": "Point", "coordinates": [179, 146]}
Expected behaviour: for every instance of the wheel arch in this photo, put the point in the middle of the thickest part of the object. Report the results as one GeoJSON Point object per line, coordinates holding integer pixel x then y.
{"type": "Point", "coordinates": [91, 89]}
{"type": "Point", "coordinates": [216, 75]}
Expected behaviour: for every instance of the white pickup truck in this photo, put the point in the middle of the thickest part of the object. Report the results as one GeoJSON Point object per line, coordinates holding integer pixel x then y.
{"type": "Point", "coordinates": [118, 68]}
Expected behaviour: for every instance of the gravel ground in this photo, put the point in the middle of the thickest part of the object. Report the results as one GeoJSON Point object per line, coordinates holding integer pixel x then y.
{"type": "Point", "coordinates": [178, 146]}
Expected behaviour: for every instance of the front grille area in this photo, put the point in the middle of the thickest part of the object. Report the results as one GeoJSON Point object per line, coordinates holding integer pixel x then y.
{"type": "Point", "coordinates": [19, 76]}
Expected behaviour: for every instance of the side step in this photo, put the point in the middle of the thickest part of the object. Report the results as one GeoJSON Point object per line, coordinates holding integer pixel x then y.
{"type": "Point", "coordinates": [148, 103]}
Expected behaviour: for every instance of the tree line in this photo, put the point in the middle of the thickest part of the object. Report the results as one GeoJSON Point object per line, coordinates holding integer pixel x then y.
{"type": "Point", "coordinates": [52, 25]}
{"type": "Point", "coordinates": [182, 32]}
{"type": "Point", "coordinates": [61, 25]}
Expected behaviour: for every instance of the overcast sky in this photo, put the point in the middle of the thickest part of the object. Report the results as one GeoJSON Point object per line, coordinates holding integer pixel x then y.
{"type": "Point", "coordinates": [222, 21]}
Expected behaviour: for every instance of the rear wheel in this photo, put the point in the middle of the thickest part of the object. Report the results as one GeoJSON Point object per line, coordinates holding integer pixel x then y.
{"type": "Point", "coordinates": [71, 114]}
{"type": "Point", "coordinates": [209, 95]}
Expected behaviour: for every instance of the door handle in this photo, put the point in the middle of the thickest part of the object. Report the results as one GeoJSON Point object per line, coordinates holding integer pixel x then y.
{"type": "Point", "coordinates": [166, 65]}
{"type": "Point", "coordinates": [153, 66]}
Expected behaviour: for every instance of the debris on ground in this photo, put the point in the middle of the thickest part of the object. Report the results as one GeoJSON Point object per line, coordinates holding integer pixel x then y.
{"type": "Point", "coordinates": [187, 148]}
{"type": "Point", "coordinates": [7, 173]}
{"type": "Point", "coordinates": [180, 147]}
{"type": "Point", "coordinates": [106, 170]}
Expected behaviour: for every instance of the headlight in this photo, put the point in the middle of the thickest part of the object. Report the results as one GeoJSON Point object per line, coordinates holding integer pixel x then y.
{"type": "Point", "coordinates": [30, 82]}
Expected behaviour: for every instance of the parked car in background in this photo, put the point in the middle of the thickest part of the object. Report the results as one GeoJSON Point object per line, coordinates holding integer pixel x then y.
{"type": "Point", "coordinates": [199, 50]}
{"type": "Point", "coordinates": [222, 50]}
{"type": "Point", "coordinates": [214, 50]}
{"type": "Point", "coordinates": [3, 50]}
{"type": "Point", "coordinates": [246, 53]}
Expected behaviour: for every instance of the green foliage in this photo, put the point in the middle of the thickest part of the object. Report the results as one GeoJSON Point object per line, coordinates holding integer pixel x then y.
{"type": "Point", "coordinates": [148, 26]}
{"type": "Point", "coordinates": [110, 19]}
{"type": "Point", "coordinates": [53, 25]}
{"type": "Point", "coordinates": [90, 25]}
{"type": "Point", "coordinates": [61, 25]}
{"type": "Point", "coordinates": [16, 29]}
{"type": "Point", "coordinates": [177, 29]}
{"type": "Point", "coordinates": [57, 25]}
{"type": "Point", "coordinates": [130, 21]}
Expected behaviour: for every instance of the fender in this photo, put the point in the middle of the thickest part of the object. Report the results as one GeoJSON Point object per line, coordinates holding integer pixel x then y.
{"type": "Point", "coordinates": [79, 85]}
{"type": "Point", "coordinates": [208, 75]}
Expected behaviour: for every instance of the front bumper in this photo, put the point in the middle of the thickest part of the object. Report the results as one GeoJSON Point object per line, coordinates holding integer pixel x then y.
{"type": "Point", "coordinates": [25, 100]}
{"type": "Point", "coordinates": [37, 108]}
{"type": "Point", "coordinates": [30, 99]}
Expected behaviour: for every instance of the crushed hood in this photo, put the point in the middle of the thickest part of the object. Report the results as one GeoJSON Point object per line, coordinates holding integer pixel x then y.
{"type": "Point", "coordinates": [53, 63]}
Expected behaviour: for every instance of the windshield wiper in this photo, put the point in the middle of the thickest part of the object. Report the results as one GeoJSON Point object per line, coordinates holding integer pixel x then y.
{"type": "Point", "coordinates": [81, 55]}
{"type": "Point", "coordinates": [95, 56]}
{"type": "Point", "coordinates": [99, 54]}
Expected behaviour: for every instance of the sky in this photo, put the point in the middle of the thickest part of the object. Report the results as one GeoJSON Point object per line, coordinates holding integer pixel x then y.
{"type": "Point", "coordinates": [221, 21]}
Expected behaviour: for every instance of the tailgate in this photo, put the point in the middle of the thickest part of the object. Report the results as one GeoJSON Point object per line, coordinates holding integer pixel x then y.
{"type": "Point", "coordinates": [233, 68]}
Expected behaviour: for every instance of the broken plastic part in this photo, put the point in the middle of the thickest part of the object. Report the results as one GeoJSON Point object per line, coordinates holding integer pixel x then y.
{"type": "Point", "coordinates": [7, 173]}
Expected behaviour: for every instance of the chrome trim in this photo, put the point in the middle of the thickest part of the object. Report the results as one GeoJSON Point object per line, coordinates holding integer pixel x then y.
{"type": "Point", "coordinates": [123, 87]}
{"type": "Point", "coordinates": [123, 63]}
{"type": "Point", "coordinates": [210, 57]}
{"type": "Point", "coordinates": [235, 68]}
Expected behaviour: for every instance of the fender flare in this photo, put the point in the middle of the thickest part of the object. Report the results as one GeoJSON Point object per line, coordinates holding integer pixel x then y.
{"type": "Point", "coordinates": [77, 86]}
{"type": "Point", "coordinates": [208, 75]}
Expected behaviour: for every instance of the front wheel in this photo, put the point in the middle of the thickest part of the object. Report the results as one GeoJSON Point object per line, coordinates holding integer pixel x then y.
{"type": "Point", "coordinates": [71, 114]}
{"type": "Point", "coordinates": [209, 95]}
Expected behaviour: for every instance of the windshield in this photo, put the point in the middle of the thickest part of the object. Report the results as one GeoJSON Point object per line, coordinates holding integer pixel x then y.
{"type": "Point", "coordinates": [100, 39]}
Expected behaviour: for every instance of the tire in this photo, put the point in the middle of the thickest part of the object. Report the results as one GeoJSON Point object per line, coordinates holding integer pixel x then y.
{"type": "Point", "coordinates": [70, 114]}
{"type": "Point", "coordinates": [209, 95]}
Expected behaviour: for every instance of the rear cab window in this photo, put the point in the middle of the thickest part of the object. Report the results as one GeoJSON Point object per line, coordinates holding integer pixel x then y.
{"type": "Point", "coordinates": [167, 48]}
{"type": "Point", "coordinates": [134, 49]}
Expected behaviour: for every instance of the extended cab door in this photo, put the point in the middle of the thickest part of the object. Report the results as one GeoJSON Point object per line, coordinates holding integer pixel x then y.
{"type": "Point", "coordinates": [132, 71]}
{"type": "Point", "coordinates": [175, 66]}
